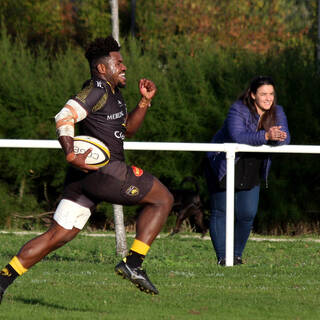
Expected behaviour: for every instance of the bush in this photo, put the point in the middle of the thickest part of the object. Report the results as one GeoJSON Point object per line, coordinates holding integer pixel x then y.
{"type": "Point", "coordinates": [196, 85]}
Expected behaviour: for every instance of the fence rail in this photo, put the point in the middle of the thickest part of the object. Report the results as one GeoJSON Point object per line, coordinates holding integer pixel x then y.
{"type": "Point", "coordinates": [229, 148]}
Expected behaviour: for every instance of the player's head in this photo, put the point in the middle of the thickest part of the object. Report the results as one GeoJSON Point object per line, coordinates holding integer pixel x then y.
{"type": "Point", "coordinates": [105, 61]}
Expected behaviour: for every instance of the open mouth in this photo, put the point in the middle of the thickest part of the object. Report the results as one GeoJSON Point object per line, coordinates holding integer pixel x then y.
{"type": "Point", "coordinates": [122, 76]}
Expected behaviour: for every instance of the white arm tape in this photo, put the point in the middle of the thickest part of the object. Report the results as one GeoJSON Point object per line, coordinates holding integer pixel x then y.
{"type": "Point", "coordinates": [65, 113]}
{"type": "Point", "coordinates": [81, 112]}
{"type": "Point", "coordinates": [66, 130]}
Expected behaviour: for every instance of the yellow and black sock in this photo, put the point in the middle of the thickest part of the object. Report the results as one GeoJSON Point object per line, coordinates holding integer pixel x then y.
{"type": "Point", "coordinates": [10, 272]}
{"type": "Point", "coordinates": [136, 254]}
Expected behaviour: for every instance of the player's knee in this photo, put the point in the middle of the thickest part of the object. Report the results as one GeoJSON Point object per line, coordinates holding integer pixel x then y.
{"type": "Point", "coordinates": [164, 201]}
{"type": "Point", "coordinates": [168, 201]}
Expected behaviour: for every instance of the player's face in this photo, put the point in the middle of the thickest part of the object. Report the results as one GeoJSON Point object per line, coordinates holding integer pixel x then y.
{"type": "Point", "coordinates": [116, 70]}
{"type": "Point", "coordinates": [263, 98]}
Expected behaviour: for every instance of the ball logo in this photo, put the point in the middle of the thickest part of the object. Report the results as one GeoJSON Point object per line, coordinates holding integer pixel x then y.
{"type": "Point", "coordinates": [137, 171]}
{"type": "Point", "coordinates": [99, 154]}
{"type": "Point", "coordinates": [132, 191]}
{"type": "Point", "coordinates": [92, 155]}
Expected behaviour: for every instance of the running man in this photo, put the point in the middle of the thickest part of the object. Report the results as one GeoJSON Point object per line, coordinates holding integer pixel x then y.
{"type": "Point", "coordinates": [101, 112]}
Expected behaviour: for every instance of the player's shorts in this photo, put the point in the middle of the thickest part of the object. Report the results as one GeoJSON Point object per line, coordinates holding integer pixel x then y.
{"type": "Point", "coordinates": [116, 183]}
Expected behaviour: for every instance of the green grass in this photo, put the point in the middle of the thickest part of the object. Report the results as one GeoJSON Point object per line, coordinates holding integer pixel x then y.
{"type": "Point", "coordinates": [280, 280]}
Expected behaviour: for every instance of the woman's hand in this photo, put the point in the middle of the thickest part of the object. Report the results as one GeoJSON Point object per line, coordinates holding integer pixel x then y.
{"type": "Point", "coordinates": [276, 134]}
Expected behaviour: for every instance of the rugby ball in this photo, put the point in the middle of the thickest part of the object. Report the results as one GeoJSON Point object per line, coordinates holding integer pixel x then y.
{"type": "Point", "coordinates": [100, 154]}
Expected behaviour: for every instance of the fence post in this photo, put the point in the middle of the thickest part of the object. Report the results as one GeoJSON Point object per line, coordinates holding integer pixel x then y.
{"type": "Point", "coordinates": [120, 231]}
{"type": "Point", "coordinates": [230, 156]}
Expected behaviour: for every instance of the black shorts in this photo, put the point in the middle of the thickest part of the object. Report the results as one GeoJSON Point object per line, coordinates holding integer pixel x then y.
{"type": "Point", "coordinates": [116, 183]}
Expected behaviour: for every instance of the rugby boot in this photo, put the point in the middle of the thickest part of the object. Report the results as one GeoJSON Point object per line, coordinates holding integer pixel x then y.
{"type": "Point", "coordinates": [137, 276]}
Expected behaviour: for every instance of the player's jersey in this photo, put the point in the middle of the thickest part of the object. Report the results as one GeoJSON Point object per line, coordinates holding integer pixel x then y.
{"type": "Point", "coordinates": [106, 117]}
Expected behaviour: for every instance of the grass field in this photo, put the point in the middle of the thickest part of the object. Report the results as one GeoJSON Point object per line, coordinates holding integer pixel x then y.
{"type": "Point", "coordinates": [280, 280]}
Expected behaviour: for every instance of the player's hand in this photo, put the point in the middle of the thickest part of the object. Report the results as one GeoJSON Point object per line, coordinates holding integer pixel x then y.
{"type": "Point", "coordinates": [147, 89]}
{"type": "Point", "coordinates": [79, 161]}
{"type": "Point", "coordinates": [276, 134]}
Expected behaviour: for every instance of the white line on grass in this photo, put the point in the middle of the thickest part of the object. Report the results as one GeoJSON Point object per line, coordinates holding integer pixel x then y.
{"type": "Point", "coordinates": [87, 234]}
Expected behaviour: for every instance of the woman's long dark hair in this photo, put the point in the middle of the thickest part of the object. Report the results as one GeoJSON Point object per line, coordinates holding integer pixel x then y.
{"type": "Point", "coordinates": [268, 119]}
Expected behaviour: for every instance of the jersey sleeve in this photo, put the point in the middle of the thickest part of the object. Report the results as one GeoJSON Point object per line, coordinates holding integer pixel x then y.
{"type": "Point", "coordinates": [93, 96]}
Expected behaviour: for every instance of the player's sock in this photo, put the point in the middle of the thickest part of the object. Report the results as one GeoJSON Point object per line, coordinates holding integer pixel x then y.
{"type": "Point", "coordinates": [10, 272]}
{"type": "Point", "coordinates": [136, 254]}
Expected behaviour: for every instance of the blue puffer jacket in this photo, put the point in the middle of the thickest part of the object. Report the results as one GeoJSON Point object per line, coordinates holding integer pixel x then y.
{"type": "Point", "coordinates": [241, 126]}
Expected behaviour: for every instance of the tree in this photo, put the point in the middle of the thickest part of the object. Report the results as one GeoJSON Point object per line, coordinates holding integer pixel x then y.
{"type": "Point", "coordinates": [255, 25]}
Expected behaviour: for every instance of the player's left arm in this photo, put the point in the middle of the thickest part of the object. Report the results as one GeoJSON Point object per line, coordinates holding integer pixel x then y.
{"type": "Point", "coordinates": [136, 116]}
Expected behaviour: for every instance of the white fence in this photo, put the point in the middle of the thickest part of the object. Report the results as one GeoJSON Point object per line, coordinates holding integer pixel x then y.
{"type": "Point", "coordinates": [229, 148]}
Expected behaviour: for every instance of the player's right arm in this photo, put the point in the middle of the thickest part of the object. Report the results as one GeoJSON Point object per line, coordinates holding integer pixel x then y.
{"type": "Point", "coordinates": [66, 119]}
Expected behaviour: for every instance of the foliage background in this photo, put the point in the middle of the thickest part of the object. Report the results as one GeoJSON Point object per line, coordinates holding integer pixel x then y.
{"type": "Point", "coordinates": [201, 56]}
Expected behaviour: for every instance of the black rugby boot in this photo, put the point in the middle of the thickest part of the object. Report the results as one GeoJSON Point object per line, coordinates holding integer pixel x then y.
{"type": "Point", "coordinates": [137, 276]}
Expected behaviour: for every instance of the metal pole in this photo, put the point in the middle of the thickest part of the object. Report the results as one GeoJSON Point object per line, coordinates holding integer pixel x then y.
{"type": "Point", "coordinates": [115, 19]}
{"type": "Point", "coordinates": [230, 155]}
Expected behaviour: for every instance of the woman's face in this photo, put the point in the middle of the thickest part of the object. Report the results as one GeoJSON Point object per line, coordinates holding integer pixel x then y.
{"type": "Point", "coordinates": [263, 98]}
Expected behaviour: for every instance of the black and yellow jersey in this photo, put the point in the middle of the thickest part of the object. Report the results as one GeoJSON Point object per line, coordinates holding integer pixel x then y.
{"type": "Point", "coordinates": [106, 115]}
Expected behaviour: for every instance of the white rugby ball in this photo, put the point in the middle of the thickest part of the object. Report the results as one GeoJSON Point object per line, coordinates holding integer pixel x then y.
{"type": "Point", "coordinates": [100, 154]}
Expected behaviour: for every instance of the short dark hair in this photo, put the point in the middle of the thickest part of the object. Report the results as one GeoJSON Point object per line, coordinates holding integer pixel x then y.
{"type": "Point", "coordinates": [101, 47]}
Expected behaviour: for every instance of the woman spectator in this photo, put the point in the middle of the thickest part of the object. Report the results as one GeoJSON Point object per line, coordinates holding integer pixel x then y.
{"type": "Point", "coordinates": [254, 119]}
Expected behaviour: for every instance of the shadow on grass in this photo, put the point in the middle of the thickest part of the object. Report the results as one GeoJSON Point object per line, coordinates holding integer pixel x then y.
{"type": "Point", "coordinates": [93, 259]}
{"type": "Point", "coordinates": [43, 303]}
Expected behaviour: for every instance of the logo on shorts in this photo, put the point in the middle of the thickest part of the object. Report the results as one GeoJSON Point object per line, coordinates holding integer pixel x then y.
{"type": "Point", "coordinates": [137, 171]}
{"type": "Point", "coordinates": [132, 191]}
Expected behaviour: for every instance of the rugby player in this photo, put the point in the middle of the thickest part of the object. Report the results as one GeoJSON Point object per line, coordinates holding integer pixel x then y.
{"type": "Point", "coordinates": [101, 112]}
